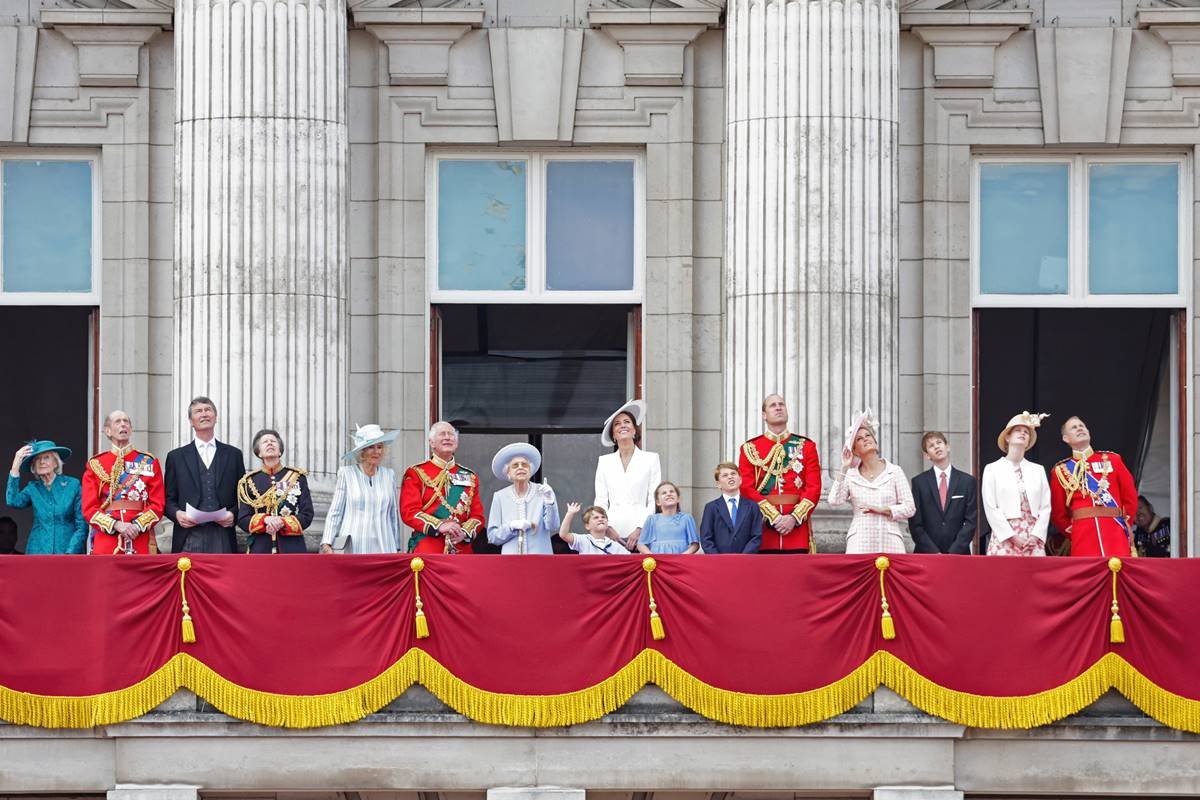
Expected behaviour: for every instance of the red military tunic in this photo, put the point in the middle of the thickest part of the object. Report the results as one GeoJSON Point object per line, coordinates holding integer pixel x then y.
{"type": "Point", "coordinates": [783, 475]}
{"type": "Point", "coordinates": [431, 493]}
{"type": "Point", "coordinates": [1092, 500]}
{"type": "Point", "coordinates": [122, 485]}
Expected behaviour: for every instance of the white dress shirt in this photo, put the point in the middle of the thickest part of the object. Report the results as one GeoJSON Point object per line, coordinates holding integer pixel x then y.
{"type": "Point", "coordinates": [206, 450]}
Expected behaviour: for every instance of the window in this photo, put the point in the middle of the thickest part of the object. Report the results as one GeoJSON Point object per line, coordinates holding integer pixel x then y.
{"type": "Point", "coordinates": [1109, 230]}
{"type": "Point", "coordinates": [48, 231]}
{"type": "Point", "coordinates": [536, 227]}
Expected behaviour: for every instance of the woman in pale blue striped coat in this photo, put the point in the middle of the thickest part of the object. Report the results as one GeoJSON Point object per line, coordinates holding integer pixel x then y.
{"type": "Point", "coordinates": [365, 499]}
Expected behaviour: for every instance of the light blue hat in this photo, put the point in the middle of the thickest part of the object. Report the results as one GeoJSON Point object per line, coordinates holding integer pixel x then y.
{"type": "Point", "coordinates": [511, 451]}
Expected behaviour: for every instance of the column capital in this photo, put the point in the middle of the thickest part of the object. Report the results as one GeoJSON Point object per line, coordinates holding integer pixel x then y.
{"type": "Point", "coordinates": [166, 791]}
{"type": "Point", "coordinates": [536, 793]}
{"type": "Point", "coordinates": [916, 793]}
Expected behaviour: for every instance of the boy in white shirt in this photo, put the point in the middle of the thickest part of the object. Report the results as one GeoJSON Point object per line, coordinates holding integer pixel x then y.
{"type": "Point", "coordinates": [595, 542]}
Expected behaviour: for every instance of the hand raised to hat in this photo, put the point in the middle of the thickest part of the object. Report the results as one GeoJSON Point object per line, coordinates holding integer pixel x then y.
{"type": "Point", "coordinates": [21, 454]}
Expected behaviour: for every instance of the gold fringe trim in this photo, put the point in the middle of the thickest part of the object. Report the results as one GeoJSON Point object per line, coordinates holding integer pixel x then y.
{"type": "Point", "coordinates": [593, 702]}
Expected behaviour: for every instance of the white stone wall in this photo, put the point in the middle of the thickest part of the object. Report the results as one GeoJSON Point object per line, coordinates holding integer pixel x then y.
{"type": "Point", "coordinates": [674, 119]}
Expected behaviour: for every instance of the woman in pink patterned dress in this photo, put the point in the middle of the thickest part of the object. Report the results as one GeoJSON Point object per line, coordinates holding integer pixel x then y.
{"type": "Point", "coordinates": [877, 491]}
{"type": "Point", "coordinates": [1016, 494]}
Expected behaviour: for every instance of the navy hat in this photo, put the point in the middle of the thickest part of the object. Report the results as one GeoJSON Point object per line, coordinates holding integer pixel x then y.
{"type": "Point", "coordinates": [41, 446]}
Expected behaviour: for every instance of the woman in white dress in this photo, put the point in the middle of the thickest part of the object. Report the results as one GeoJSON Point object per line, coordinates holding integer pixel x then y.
{"type": "Point", "coordinates": [1016, 494]}
{"type": "Point", "coordinates": [625, 478]}
{"type": "Point", "coordinates": [877, 490]}
{"type": "Point", "coordinates": [365, 502]}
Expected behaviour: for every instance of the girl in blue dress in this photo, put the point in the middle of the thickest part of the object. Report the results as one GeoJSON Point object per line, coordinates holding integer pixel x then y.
{"type": "Point", "coordinates": [669, 531]}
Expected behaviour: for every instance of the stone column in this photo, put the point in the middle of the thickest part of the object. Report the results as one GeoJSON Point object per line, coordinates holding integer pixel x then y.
{"type": "Point", "coordinates": [811, 300]}
{"type": "Point", "coordinates": [261, 267]}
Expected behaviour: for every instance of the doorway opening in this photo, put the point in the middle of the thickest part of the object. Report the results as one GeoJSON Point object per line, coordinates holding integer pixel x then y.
{"type": "Point", "coordinates": [49, 392]}
{"type": "Point", "coordinates": [544, 374]}
{"type": "Point", "coordinates": [1121, 370]}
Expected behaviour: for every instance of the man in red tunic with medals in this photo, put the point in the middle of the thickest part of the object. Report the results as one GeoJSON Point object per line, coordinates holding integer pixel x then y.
{"type": "Point", "coordinates": [781, 472]}
{"type": "Point", "coordinates": [439, 498]}
{"type": "Point", "coordinates": [1092, 496]}
{"type": "Point", "coordinates": [122, 494]}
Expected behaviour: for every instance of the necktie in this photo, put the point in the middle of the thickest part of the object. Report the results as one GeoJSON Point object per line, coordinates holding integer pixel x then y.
{"type": "Point", "coordinates": [733, 510]}
{"type": "Point", "coordinates": [942, 489]}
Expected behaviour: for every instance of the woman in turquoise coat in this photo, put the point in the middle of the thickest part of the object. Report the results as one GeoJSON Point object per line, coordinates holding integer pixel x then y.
{"type": "Point", "coordinates": [58, 525]}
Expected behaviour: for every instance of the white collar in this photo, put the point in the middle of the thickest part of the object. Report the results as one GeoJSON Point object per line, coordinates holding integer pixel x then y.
{"type": "Point", "coordinates": [201, 444]}
{"type": "Point", "coordinates": [728, 497]}
{"type": "Point", "coordinates": [938, 472]}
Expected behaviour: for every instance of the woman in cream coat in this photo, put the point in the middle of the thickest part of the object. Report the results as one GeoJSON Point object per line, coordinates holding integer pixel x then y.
{"type": "Point", "coordinates": [626, 478]}
{"type": "Point", "coordinates": [1016, 494]}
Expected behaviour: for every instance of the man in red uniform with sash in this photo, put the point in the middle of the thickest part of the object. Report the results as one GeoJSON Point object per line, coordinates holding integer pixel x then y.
{"type": "Point", "coordinates": [122, 494]}
{"type": "Point", "coordinates": [781, 472]}
{"type": "Point", "coordinates": [1092, 496]}
{"type": "Point", "coordinates": [439, 498]}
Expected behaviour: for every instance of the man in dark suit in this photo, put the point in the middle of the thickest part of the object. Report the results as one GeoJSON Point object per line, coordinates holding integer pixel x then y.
{"type": "Point", "coordinates": [204, 473]}
{"type": "Point", "coordinates": [946, 502]}
{"type": "Point", "coordinates": [731, 523]}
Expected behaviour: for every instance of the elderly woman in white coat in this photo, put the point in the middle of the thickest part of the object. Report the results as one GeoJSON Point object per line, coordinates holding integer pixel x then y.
{"type": "Point", "coordinates": [877, 490]}
{"type": "Point", "coordinates": [626, 478]}
{"type": "Point", "coordinates": [1015, 493]}
{"type": "Point", "coordinates": [524, 514]}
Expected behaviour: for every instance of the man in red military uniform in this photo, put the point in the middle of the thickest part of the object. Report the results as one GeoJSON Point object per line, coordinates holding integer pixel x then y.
{"type": "Point", "coordinates": [439, 498]}
{"type": "Point", "coordinates": [781, 472]}
{"type": "Point", "coordinates": [122, 494]}
{"type": "Point", "coordinates": [1092, 496]}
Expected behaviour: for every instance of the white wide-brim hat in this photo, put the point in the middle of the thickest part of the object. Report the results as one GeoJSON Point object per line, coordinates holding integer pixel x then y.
{"type": "Point", "coordinates": [366, 435]}
{"type": "Point", "coordinates": [507, 453]}
{"type": "Point", "coordinates": [862, 419]}
{"type": "Point", "coordinates": [634, 408]}
{"type": "Point", "coordinates": [1031, 421]}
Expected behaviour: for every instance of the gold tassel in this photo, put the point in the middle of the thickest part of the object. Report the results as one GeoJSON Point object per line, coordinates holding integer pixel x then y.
{"type": "Point", "coordinates": [189, 630]}
{"type": "Point", "coordinates": [1116, 628]}
{"type": "Point", "coordinates": [886, 623]}
{"type": "Point", "coordinates": [656, 624]}
{"type": "Point", "coordinates": [416, 565]}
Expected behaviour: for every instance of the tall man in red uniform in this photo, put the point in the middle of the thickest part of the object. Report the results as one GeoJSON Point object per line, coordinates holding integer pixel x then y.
{"type": "Point", "coordinates": [1092, 496]}
{"type": "Point", "coordinates": [781, 472]}
{"type": "Point", "coordinates": [122, 494]}
{"type": "Point", "coordinates": [439, 498]}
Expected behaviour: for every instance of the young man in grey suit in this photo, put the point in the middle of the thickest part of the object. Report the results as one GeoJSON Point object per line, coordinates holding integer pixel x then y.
{"type": "Point", "coordinates": [731, 523]}
{"type": "Point", "coordinates": [945, 497]}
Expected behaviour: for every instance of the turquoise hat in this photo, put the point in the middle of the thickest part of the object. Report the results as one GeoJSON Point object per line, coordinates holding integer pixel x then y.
{"type": "Point", "coordinates": [41, 446]}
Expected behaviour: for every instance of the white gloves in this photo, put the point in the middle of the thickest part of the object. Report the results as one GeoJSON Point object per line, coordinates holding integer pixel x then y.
{"type": "Point", "coordinates": [520, 525]}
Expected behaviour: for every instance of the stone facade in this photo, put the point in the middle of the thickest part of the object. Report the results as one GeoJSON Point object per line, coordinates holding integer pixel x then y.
{"type": "Point", "coordinates": [772, 131]}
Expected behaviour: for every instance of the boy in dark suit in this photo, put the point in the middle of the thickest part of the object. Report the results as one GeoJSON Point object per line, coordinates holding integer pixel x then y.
{"type": "Point", "coordinates": [731, 523]}
{"type": "Point", "coordinates": [946, 502]}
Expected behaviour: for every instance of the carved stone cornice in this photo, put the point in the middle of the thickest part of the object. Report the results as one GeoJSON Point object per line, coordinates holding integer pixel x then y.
{"type": "Point", "coordinates": [1179, 28]}
{"type": "Point", "coordinates": [419, 54]}
{"type": "Point", "coordinates": [108, 51]}
{"type": "Point", "coordinates": [964, 42]}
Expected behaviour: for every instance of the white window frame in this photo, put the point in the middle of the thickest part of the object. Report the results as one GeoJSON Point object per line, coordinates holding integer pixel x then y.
{"type": "Point", "coordinates": [91, 298]}
{"type": "Point", "coordinates": [535, 290]}
{"type": "Point", "coordinates": [1077, 239]}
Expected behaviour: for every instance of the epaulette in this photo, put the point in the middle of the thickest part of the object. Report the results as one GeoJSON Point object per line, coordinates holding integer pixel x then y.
{"type": "Point", "coordinates": [252, 472]}
{"type": "Point", "coordinates": [297, 470]}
